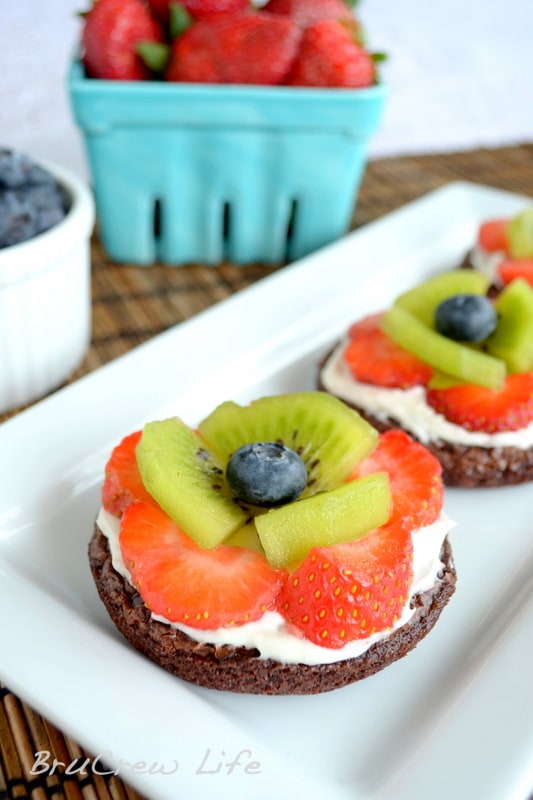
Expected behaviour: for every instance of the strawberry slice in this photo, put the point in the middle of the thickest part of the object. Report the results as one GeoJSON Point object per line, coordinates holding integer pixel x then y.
{"type": "Point", "coordinates": [181, 581]}
{"type": "Point", "coordinates": [349, 591]}
{"type": "Point", "coordinates": [123, 484]}
{"type": "Point", "coordinates": [414, 475]}
{"type": "Point", "coordinates": [368, 323]}
{"type": "Point", "coordinates": [492, 235]}
{"type": "Point", "coordinates": [477, 408]}
{"type": "Point", "coordinates": [374, 358]}
{"type": "Point", "coordinates": [516, 268]}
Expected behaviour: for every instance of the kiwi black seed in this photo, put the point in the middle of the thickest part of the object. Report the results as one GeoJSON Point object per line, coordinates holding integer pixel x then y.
{"type": "Point", "coordinates": [329, 437]}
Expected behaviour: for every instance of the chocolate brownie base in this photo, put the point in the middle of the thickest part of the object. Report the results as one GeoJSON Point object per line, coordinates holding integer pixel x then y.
{"type": "Point", "coordinates": [238, 669]}
{"type": "Point", "coordinates": [465, 466]}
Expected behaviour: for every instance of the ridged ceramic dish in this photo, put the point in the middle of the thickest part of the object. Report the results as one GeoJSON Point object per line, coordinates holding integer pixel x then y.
{"type": "Point", "coordinates": [45, 297]}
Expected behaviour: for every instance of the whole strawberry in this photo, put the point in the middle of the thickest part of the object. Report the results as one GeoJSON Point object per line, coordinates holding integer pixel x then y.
{"type": "Point", "coordinates": [202, 8]}
{"type": "Point", "coordinates": [308, 12]}
{"type": "Point", "coordinates": [111, 33]}
{"type": "Point", "coordinates": [197, 8]}
{"type": "Point", "coordinates": [331, 57]}
{"type": "Point", "coordinates": [160, 9]}
{"type": "Point", "coordinates": [250, 47]}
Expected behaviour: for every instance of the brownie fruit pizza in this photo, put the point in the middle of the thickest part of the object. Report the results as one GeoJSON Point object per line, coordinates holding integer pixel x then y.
{"type": "Point", "coordinates": [281, 547]}
{"type": "Point", "coordinates": [452, 365]}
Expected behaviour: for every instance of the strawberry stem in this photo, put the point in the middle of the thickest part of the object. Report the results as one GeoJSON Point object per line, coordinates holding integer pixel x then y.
{"type": "Point", "coordinates": [154, 55]}
{"type": "Point", "coordinates": [179, 19]}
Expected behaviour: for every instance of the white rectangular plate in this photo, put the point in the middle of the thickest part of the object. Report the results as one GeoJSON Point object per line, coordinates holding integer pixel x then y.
{"type": "Point", "coordinates": [455, 716]}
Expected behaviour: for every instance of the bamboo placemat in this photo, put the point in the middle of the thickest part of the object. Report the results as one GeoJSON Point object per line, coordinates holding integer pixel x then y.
{"type": "Point", "coordinates": [131, 305]}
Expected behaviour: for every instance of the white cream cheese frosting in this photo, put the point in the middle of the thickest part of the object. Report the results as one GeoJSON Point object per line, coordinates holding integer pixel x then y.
{"type": "Point", "coordinates": [487, 263]}
{"type": "Point", "coordinates": [409, 409]}
{"type": "Point", "coordinates": [270, 634]}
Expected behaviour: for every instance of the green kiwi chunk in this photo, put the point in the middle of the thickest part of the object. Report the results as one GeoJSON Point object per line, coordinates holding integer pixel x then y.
{"type": "Point", "coordinates": [423, 300]}
{"type": "Point", "coordinates": [520, 234]}
{"type": "Point", "coordinates": [439, 380]}
{"type": "Point", "coordinates": [246, 537]}
{"type": "Point", "coordinates": [446, 355]}
{"type": "Point", "coordinates": [512, 340]}
{"type": "Point", "coordinates": [188, 482]}
{"type": "Point", "coordinates": [330, 437]}
{"type": "Point", "coordinates": [340, 515]}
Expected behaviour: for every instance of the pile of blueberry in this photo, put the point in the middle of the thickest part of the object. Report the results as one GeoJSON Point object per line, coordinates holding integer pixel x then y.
{"type": "Point", "coordinates": [31, 200]}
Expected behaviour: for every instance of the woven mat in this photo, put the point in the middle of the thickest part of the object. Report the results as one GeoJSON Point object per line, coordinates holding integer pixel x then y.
{"type": "Point", "coordinates": [132, 304]}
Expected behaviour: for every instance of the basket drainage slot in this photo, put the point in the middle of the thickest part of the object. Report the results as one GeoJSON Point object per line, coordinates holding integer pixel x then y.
{"type": "Point", "coordinates": [226, 221]}
{"type": "Point", "coordinates": [158, 218]}
{"type": "Point", "coordinates": [291, 222]}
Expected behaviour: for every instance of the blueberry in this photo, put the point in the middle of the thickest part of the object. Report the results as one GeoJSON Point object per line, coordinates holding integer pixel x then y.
{"type": "Point", "coordinates": [31, 200]}
{"type": "Point", "coordinates": [466, 318]}
{"type": "Point", "coordinates": [18, 218]}
{"type": "Point", "coordinates": [266, 474]}
{"type": "Point", "coordinates": [14, 169]}
{"type": "Point", "coordinates": [49, 204]}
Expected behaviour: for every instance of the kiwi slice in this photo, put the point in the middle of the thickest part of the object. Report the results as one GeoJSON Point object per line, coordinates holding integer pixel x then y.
{"type": "Point", "coordinates": [520, 234]}
{"type": "Point", "coordinates": [446, 355]}
{"type": "Point", "coordinates": [188, 482]}
{"type": "Point", "coordinates": [423, 300]}
{"type": "Point", "coordinates": [340, 515]}
{"type": "Point", "coordinates": [439, 380]}
{"type": "Point", "coordinates": [330, 437]}
{"type": "Point", "coordinates": [246, 537]}
{"type": "Point", "coordinates": [512, 340]}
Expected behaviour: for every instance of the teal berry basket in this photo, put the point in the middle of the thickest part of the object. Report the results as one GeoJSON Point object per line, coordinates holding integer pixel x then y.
{"type": "Point", "coordinates": [187, 173]}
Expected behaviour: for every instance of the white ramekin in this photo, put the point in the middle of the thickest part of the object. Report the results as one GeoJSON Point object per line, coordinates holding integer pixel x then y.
{"type": "Point", "coordinates": [45, 301]}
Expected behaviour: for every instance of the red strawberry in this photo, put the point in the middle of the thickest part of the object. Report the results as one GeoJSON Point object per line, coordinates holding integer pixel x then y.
{"type": "Point", "coordinates": [308, 12]}
{"type": "Point", "coordinates": [516, 268]}
{"type": "Point", "coordinates": [477, 408]}
{"type": "Point", "coordinates": [160, 9]}
{"type": "Point", "coordinates": [197, 8]}
{"type": "Point", "coordinates": [331, 57]}
{"type": "Point", "coordinates": [112, 30]}
{"type": "Point", "coordinates": [123, 484]}
{"type": "Point", "coordinates": [368, 323]}
{"type": "Point", "coordinates": [350, 591]}
{"type": "Point", "coordinates": [492, 235]}
{"type": "Point", "coordinates": [415, 478]}
{"type": "Point", "coordinates": [374, 358]}
{"type": "Point", "coordinates": [183, 582]}
{"type": "Point", "coordinates": [202, 8]}
{"type": "Point", "coordinates": [250, 47]}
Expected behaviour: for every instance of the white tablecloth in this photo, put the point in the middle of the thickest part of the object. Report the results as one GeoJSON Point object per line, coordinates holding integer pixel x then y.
{"type": "Point", "coordinates": [460, 74]}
